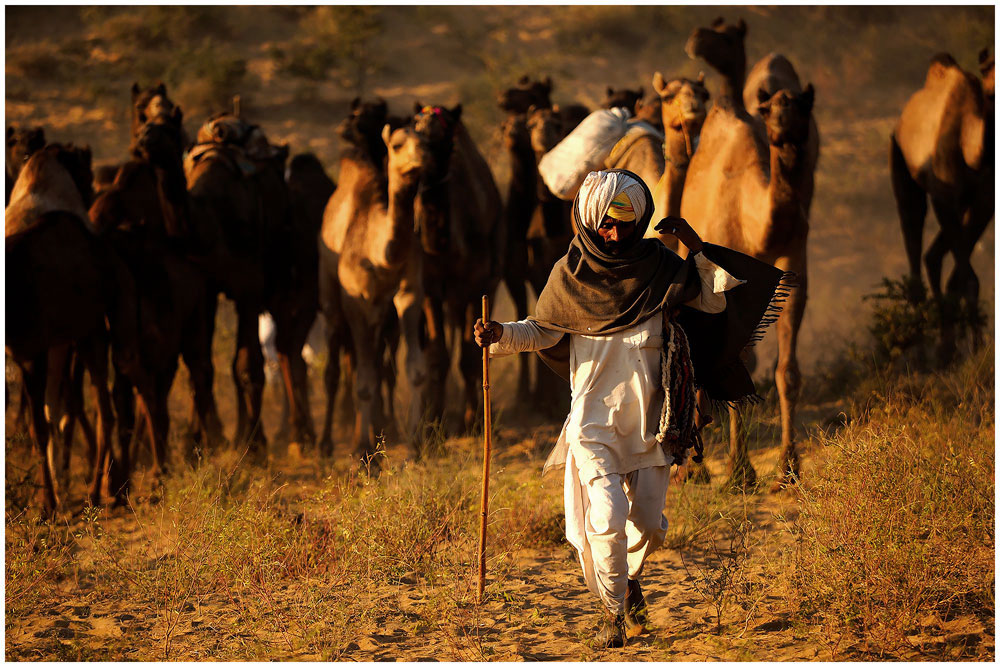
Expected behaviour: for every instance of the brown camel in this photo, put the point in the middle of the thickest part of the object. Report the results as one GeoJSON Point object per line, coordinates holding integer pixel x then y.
{"type": "Point", "coordinates": [458, 212]}
{"type": "Point", "coordinates": [146, 214]}
{"type": "Point", "coordinates": [747, 190]}
{"type": "Point", "coordinates": [223, 181]}
{"type": "Point", "coordinates": [296, 303]}
{"type": "Point", "coordinates": [539, 225]}
{"type": "Point", "coordinates": [370, 260]}
{"type": "Point", "coordinates": [67, 283]}
{"type": "Point", "coordinates": [640, 151]}
{"type": "Point", "coordinates": [22, 143]}
{"type": "Point", "coordinates": [943, 148]}
{"type": "Point", "coordinates": [624, 97]}
{"type": "Point", "coordinates": [682, 110]}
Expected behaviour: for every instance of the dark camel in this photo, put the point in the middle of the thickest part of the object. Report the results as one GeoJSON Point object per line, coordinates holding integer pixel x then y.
{"type": "Point", "coordinates": [369, 261]}
{"type": "Point", "coordinates": [943, 148]}
{"type": "Point", "coordinates": [682, 111]}
{"type": "Point", "coordinates": [624, 97]}
{"type": "Point", "coordinates": [222, 181]}
{"type": "Point", "coordinates": [147, 215]}
{"type": "Point", "coordinates": [458, 212]}
{"type": "Point", "coordinates": [748, 189]}
{"type": "Point", "coordinates": [67, 283]}
{"type": "Point", "coordinates": [525, 94]}
{"type": "Point", "coordinates": [296, 302]}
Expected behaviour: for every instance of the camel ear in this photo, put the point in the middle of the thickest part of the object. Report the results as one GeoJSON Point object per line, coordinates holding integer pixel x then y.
{"type": "Point", "coordinates": [717, 22]}
{"type": "Point", "coordinates": [10, 131]}
{"type": "Point", "coordinates": [762, 96]}
{"type": "Point", "coordinates": [701, 78]}
{"type": "Point", "coordinates": [763, 103]}
{"type": "Point", "coordinates": [161, 88]}
{"type": "Point", "coordinates": [531, 109]}
{"type": "Point", "coordinates": [984, 54]}
{"type": "Point", "coordinates": [659, 85]}
{"type": "Point", "coordinates": [386, 133]}
{"type": "Point", "coordinates": [355, 103]}
{"type": "Point", "coordinates": [456, 112]}
{"type": "Point", "coordinates": [807, 98]}
{"type": "Point", "coordinates": [417, 107]}
{"type": "Point", "coordinates": [741, 27]}
{"type": "Point", "coordinates": [641, 91]}
{"type": "Point", "coordinates": [611, 91]}
{"type": "Point", "coordinates": [548, 83]}
{"type": "Point", "coordinates": [524, 80]}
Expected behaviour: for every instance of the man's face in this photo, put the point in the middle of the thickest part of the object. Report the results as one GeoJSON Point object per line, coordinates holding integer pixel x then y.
{"type": "Point", "coordinates": [615, 233]}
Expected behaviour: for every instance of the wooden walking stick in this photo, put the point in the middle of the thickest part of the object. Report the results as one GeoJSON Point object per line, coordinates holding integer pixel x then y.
{"type": "Point", "coordinates": [487, 442]}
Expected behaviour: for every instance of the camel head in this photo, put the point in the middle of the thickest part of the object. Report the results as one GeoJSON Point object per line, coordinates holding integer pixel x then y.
{"type": "Point", "coordinates": [683, 102]}
{"type": "Point", "coordinates": [153, 105]}
{"type": "Point", "coordinates": [720, 45]}
{"type": "Point", "coordinates": [546, 129]}
{"type": "Point", "coordinates": [524, 94]}
{"type": "Point", "coordinates": [437, 125]}
{"type": "Point", "coordinates": [21, 144]}
{"type": "Point", "coordinates": [407, 154]}
{"type": "Point", "coordinates": [786, 115]}
{"type": "Point", "coordinates": [515, 132]}
{"type": "Point", "coordinates": [986, 70]}
{"type": "Point", "coordinates": [363, 127]}
{"type": "Point", "coordinates": [622, 98]}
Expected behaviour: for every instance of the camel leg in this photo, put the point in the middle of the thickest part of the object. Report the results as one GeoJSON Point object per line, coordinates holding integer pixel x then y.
{"type": "Point", "coordinates": [963, 284]}
{"type": "Point", "coordinates": [331, 378]}
{"type": "Point", "coordinates": [123, 397]}
{"type": "Point", "coordinates": [76, 411]}
{"type": "Point", "coordinates": [438, 359]}
{"type": "Point", "coordinates": [470, 362]}
{"type": "Point", "coordinates": [159, 426]}
{"type": "Point", "coordinates": [741, 471]}
{"type": "Point", "coordinates": [248, 374]}
{"type": "Point", "coordinates": [911, 203]}
{"type": "Point", "coordinates": [206, 417]}
{"type": "Point", "coordinates": [409, 307]}
{"type": "Point", "coordinates": [387, 371]}
{"type": "Point", "coordinates": [949, 237]}
{"type": "Point", "coordinates": [787, 376]}
{"type": "Point", "coordinates": [34, 375]}
{"type": "Point", "coordinates": [95, 356]}
{"type": "Point", "coordinates": [363, 325]}
{"type": "Point", "coordinates": [291, 338]}
{"type": "Point", "coordinates": [517, 275]}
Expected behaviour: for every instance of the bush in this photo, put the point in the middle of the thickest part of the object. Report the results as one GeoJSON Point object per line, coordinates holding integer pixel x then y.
{"type": "Point", "coordinates": [895, 534]}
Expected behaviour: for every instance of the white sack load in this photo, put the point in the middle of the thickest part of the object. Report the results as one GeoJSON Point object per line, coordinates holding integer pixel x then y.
{"type": "Point", "coordinates": [582, 151]}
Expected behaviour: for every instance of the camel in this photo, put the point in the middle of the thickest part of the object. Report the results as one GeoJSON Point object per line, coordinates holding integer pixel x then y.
{"type": "Point", "coordinates": [458, 212]}
{"type": "Point", "coordinates": [630, 99]}
{"type": "Point", "coordinates": [746, 189]}
{"type": "Point", "coordinates": [640, 151]}
{"type": "Point", "coordinates": [50, 247]}
{"type": "Point", "coordinates": [943, 147]}
{"type": "Point", "coordinates": [369, 259]}
{"type": "Point", "coordinates": [146, 214]}
{"type": "Point", "coordinates": [683, 111]}
{"type": "Point", "coordinates": [21, 144]}
{"type": "Point", "coordinates": [296, 303]}
{"type": "Point", "coordinates": [221, 180]}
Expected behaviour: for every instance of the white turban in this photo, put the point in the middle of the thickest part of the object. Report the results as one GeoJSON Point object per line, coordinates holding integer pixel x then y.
{"type": "Point", "coordinates": [599, 188]}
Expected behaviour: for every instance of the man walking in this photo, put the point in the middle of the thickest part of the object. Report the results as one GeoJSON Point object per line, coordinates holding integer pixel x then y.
{"type": "Point", "coordinates": [604, 312]}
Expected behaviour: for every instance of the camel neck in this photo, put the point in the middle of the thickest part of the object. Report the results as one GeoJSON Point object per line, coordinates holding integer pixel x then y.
{"type": "Point", "coordinates": [788, 175]}
{"type": "Point", "coordinates": [402, 193]}
{"type": "Point", "coordinates": [731, 86]}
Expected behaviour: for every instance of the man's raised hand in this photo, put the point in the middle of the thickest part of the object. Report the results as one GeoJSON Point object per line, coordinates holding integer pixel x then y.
{"type": "Point", "coordinates": [487, 332]}
{"type": "Point", "coordinates": [680, 228]}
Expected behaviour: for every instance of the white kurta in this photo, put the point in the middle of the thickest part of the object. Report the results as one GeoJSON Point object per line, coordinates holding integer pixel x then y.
{"type": "Point", "coordinates": [608, 441]}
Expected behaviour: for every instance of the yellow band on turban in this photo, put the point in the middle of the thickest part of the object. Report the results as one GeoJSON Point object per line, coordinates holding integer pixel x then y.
{"type": "Point", "coordinates": [621, 208]}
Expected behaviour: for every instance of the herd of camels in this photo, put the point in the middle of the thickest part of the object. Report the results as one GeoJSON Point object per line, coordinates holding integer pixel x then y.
{"type": "Point", "coordinates": [129, 265]}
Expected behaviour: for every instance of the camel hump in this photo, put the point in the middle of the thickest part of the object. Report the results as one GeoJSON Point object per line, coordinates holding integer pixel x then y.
{"type": "Point", "coordinates": [44, 186]}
